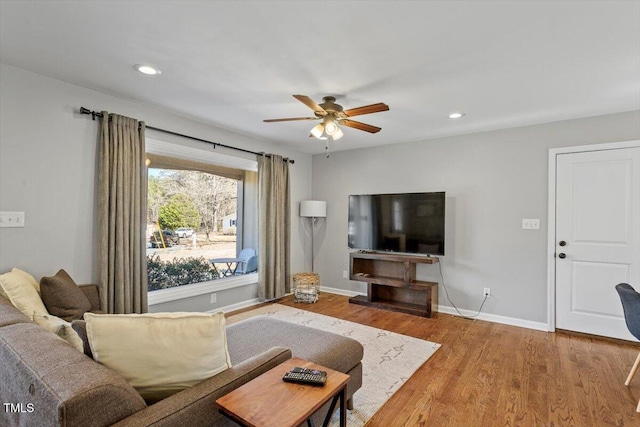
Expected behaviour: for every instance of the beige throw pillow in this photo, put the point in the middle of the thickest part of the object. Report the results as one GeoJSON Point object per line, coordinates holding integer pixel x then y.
{"type": "Point", "coordinates": [160, 354]}
{"type": "Point", "coordinates": [61, 328]}
{"type": "Point", "coordinates": [22, 294]}
{"type": "Point", "coordinates": [29, 277]}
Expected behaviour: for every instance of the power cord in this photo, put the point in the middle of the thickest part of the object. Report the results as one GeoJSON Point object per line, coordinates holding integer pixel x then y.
{"type": "Point", "coordinates": [446, 291]}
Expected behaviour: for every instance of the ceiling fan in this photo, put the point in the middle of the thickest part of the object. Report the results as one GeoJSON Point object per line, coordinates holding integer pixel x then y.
{"type": "Point", "coordinates": [332, 115]}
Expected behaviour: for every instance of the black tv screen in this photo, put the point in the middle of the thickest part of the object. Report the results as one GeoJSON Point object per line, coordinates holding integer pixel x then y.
{"type": "Point", "coordinates": [406, 222]}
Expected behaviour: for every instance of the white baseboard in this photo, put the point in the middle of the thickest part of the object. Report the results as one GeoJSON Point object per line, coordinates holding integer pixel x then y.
{"type": "Point", "coordinates": [237, 306]}
{"type": "Point", "coordinates": [512, 321]}
{"type": "Point", "coordinates": [450, 310]}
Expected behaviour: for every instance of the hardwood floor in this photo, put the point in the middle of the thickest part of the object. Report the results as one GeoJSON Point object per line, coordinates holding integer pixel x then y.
{"type": "Point", "coordinates": [488, 374]}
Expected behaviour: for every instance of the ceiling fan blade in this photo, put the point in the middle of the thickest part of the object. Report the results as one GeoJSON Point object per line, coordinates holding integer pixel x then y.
{"type": "Point", "coordinates": [360, 126]}
{"type": "Point", "coordinates": [367, 109]}
{"type": "Point", "coordinates": [289, 119]}
{"type": "Point", "coordinates": [310, 103]}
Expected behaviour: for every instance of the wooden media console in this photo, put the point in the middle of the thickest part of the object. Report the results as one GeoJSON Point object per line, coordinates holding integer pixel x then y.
{"type": "Point", "coordinates": [391, 283]}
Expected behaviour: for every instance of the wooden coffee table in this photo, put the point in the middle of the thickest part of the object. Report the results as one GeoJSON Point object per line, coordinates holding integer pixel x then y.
{"type": "Point", "coordinates": [267, 401]}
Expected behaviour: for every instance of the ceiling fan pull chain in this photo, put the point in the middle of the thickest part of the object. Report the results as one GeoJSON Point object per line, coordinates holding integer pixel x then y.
{"type": "Point", "coordinates": [326, 147]}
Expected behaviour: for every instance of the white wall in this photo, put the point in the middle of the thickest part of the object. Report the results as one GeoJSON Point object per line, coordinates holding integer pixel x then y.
{"type": "Point", "coordinates": [48, 167]}
{"type": "Point", "coordinates": [493, 180]}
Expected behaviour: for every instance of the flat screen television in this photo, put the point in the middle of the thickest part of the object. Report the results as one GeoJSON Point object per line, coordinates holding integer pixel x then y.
{"type": "Point", "coordinates": [403, 222]}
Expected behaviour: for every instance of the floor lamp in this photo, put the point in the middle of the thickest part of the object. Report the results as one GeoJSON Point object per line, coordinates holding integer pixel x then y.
{"type": "Point", "coordinates": [313, 209]}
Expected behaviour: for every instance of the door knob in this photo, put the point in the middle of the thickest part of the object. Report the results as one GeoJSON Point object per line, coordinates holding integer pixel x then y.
{"type": "Point", "coordinates": [562, 243]}
{"type": "Point", "coordinates": [562, 255]}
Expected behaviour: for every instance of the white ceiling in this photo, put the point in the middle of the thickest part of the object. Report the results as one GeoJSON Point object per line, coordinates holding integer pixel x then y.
{"type": "Point", "coordinates": [234, 63]}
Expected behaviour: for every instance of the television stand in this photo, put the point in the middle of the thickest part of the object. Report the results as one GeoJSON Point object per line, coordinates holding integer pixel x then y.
{"type": "Point", "coordinates": [391, 283]}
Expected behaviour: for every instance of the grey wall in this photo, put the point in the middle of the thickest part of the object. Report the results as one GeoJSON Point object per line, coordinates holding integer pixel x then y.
{"type": "Point", "coordinates": [202, 303]}
{"type": "Point", "coordinates": [48, 167]}
{"type": "Point", "coordinates": [493, 180]}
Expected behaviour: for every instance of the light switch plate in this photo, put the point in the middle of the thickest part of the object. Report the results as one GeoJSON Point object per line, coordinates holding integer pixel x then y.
{"type": "Point", "coordinates": [11, 219]}
{"type": "Point", "coordinates": [530, 224]}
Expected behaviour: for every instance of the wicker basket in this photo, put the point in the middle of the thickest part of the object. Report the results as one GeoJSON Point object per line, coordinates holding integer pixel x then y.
{"type": "Point", "coordinates": [305, 287]}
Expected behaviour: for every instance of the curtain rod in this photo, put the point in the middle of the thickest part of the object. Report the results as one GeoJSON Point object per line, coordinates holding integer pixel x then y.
{"type": "Point", "coordinates": [95, 114]}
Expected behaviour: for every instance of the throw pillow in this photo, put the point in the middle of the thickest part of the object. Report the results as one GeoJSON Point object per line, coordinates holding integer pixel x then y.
{"type": "Point", "coordinates": [17, 288]}
{"type": "Point", "coordinates": [160, 353]}
{"type": "Point", "coordinates": [61, 328]}
{"type": "Point", "coordinates": [29, 277]}
{"type": "Point", "coordinates": [80, 326]}
{"type": "Point", "coordinates": [63, 298]}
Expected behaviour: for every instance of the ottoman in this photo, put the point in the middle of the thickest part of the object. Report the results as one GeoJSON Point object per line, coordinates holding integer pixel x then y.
{"type": "Point", "coordinates": [260, 333]}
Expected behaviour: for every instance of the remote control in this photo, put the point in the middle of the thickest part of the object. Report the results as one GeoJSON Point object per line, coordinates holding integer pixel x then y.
{"type": "Point", "coordinates": [306, 376]}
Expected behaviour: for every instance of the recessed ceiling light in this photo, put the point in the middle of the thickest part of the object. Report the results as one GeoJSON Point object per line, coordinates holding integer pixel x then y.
{"type": "Point", "coordinates": [147, 69]}
{"type": "Point", "coordinates": [456, 115]}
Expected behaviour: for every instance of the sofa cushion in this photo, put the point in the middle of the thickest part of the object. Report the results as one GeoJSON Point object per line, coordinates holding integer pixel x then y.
{"type": "Point", "coordinates": [19, 290]}
{"type": "Point", "coordinates": [260, 333]}
{"type": "Point", "coordinates": [61, 328]}
{"type": "Point", "coordinates": [63, 298]}
{"type": "Point", "coordinates": [160, 353]}
{"type": "Point", "coordinates": [80, 326]}
{"type": "Point", "coordinates": [92, 292]}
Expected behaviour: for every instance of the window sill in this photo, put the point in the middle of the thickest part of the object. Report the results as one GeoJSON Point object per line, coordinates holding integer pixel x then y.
{"type": "Point", "coordinates": [186, 291]}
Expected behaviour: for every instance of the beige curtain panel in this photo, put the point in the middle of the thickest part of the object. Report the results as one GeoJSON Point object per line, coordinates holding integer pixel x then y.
{"type": "Point", "coordinates": [274, 227]}
{"type": "Point", "coordinates": [122, 205]}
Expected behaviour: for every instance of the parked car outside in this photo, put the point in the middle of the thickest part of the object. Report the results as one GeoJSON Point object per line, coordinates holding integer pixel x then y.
{"type": "Point", "coordinates": [170, 239]}
{"type": "Point", "coordinates": [185, 232]}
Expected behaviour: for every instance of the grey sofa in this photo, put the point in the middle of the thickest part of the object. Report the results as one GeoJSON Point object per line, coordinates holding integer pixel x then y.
{"type": "Point", "coordinates": [46, 382]}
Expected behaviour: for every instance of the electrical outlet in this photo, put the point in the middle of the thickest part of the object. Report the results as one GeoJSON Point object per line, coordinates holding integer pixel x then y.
{"type": "Point", "coordinates": [487, 292]}
{"type": "Point", "coordinates": [345, 274]}
{"type": "Point", "coordinates": [214, 298]}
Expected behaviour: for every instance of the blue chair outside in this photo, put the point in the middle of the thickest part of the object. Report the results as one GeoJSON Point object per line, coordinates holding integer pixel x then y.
{"type": "Point", "coordinates": [248, 261]}
{"type": "Point", "coordinates": [631, 306]}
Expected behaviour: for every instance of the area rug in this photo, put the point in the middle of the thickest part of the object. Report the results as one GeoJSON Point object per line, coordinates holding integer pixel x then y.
{"type": "Point", "coordinates": [389, 358]}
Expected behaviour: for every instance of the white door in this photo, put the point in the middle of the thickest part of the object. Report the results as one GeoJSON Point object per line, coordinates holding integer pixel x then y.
{"type": "Point", "coordinates": [597, 238]}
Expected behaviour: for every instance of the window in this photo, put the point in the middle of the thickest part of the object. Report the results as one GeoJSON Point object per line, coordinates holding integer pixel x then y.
{"type": "Point", "coordinates": [192, 209]}
{"type": "Point", "coordinates": [196, 212]}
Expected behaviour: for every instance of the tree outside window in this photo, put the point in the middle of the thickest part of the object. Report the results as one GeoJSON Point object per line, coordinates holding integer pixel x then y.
{"type": "Point", "coordinates": [190, 204]}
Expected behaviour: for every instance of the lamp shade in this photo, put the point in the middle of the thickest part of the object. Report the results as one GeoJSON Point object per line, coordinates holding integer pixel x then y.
{"type": "Point", "coordinates": [313, 208]}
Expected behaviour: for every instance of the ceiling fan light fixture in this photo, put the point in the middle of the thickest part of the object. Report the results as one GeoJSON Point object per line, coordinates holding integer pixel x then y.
{"type": "Point", "coordinates": [330, 126]}
{"type": "Point", "coordinates": [318, 131]}
{"type": "Point", "coordinates": [332, 116]}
